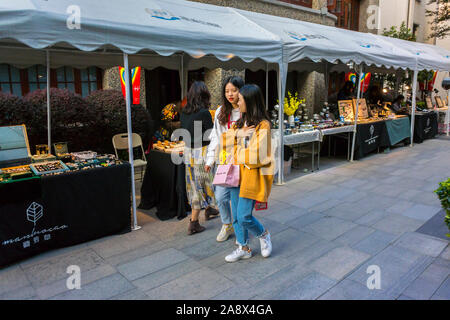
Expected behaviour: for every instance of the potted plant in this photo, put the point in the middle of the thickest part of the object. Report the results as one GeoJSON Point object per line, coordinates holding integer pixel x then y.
{"type": "Point", "coordinates": [291, 104]}
{"type": "Point", "coordinates": [443, 193]}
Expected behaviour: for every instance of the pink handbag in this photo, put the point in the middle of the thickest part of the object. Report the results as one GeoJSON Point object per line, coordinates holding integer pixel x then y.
{"type": "Point", "coordinates": [227, 175]}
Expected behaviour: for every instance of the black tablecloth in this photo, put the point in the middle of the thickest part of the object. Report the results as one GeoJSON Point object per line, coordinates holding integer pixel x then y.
{"type": "Point", "coordinates": [164, 186]}
{"type": "Point", "coordinates": [425, 126]}
{"type": "Point", "coordinates": [369, 137]}
{"type": "Point", "coordinates": [62, 210]}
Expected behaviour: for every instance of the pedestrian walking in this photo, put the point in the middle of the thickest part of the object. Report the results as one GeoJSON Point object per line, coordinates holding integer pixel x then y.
{"type": "Point", "coordinates": [226, 117]}
{"type": "Point", "coordinates": [249, 143]}
{"type": "Point", "coordinates": [196, 119]}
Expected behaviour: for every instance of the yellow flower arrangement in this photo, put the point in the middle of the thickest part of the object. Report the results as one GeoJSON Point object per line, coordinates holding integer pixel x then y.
{"type": "Point", "coordinates": [291, 103]}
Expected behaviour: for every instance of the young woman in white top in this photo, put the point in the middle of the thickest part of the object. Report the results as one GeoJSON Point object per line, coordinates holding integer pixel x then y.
{"type": "Point", "coordinates": [226, 116]}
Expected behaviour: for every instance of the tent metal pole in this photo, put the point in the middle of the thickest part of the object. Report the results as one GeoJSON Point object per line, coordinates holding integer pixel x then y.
{"type": "Point", "coordinates": [413, 107]}
{"type": "Point", "coordinates": [326, 75]}
{"type": "Point", "coordinates": [281, 123]}
{"type": "Point", "coordinates": [447, 118]}
{"type": "Point", "coordinates": [130, 138]}
{"type": "Point", "coordinates": [49, 129]}
{"type": "Point", "coordinates": [267, 86]}
{"type": "Point", "coordinates": [358, 95]}
{"type": "Point", "coordinates": [182, 77]}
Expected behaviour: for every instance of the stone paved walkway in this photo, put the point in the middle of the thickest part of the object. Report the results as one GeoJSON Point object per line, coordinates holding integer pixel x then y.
{"type": "Point", "coordinates": [327, 228]}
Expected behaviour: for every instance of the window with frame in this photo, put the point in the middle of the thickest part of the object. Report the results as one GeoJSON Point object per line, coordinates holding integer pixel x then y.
{"type": "Point", "coordinates": [65, 78]}
{"type": "Point", "coordinates": [88, 79]}
{"type": "Point", "coordinates": [347, 13]}
{"type": "Point", "coordinates": [10, 80]}
{"type": "Point", "coordinates": [37, 78]}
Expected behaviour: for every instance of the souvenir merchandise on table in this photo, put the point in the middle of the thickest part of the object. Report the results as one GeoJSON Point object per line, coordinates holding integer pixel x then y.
{"type": "Point", "coordinates": [169, 146]}
{"type": "Point", "coordinates": [50, 167]}
{"type": "Point", "coordinates": [61, 151]}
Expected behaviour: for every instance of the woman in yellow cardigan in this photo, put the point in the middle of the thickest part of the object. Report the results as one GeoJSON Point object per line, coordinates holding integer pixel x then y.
{"type": "Point", "coordinates": [249, 143]}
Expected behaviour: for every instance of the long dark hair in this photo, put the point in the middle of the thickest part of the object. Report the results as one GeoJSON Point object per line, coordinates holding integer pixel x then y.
{"type": "Point", "coordinates": [256, 110]}
{"type": "Point", "coordinates": [227, 108]}
{"type": "Point", "coordinates": [198, 97]}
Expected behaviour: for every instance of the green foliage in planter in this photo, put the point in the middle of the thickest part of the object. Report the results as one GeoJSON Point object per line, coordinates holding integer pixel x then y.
{"type": "Point", "coordinates": [110, 107]}
{"type": "Point", "coordinates": [443, 193]}
{"type": "Point", "coordinates": [421, 105]}
{"type": "Point", "coordinates": [72, 119]}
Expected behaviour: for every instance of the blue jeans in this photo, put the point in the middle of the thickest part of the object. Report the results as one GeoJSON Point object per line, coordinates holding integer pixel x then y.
{"type": "Point", "coordinates": [223, 202]}
{"type": "Point", "coordinates": [243, 220]}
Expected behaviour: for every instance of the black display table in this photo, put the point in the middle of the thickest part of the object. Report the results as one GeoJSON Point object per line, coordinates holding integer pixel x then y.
{"type": "Point", "coordinates": [51, 212]}
{"type": "Point", "coordinates": [370, 137]}
{"type": "Point", "coordinates": [164, 186]}
{"type": "Point", "coordinates": [425, 126]}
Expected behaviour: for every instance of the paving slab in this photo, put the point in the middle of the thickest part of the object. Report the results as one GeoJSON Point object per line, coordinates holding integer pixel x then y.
{"type": "Point", "coordinates": [339, 262]}
{"type": "Point", "coordinates": [152, 263]}
{"type": "Point", "coordinates": [422, 243]}
{"type": "Point", "coordinates": [427, 283]}
{"type": "Point", "coordinates": [329, 228]}
{"type": "Point", "coordinates": [352, 290]}
{"type": "Point", "coordinates": [421, 212]}
{"type": "Point", "coordinates": [397, 224]}
{"type": "Point", "coordinates": [443, 293]}
{"type": "Point", "coordinates": [309, 288]}
{"type": "Point", "coordinates": [201, 284]}
{"type": "Point", "coordinates": [49, 271]}
{"type": "Point", "coordinates": [355, 235]}
{"type": "Point", "coordinates": [12, 278]}
{"type": "Point", "coordinates": [165, 275]}
{"type": "Point", "coordinates": [60, 286]}
{"type": "Point", "coordinates": [102, 289]}
{"type": "Point", "coordinates": [375, 242]}
{"type": "Point", "coordinates": [399, 267]}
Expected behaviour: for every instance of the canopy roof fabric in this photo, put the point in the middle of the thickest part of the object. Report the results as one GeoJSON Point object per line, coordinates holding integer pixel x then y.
{"type": "Point", "coordinates": [165, 27]}
{"type": "Point", "coordinates": [304, 40]}
{"type": "Point", "coordinates": [220, 36]}
{"type": "Point", "coordinates": [428, 56]}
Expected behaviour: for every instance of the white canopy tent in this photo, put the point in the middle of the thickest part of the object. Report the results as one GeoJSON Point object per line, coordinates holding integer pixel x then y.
{"type": "Point", "coordinates": [98, 33]}
{"type": "Point", "coordinates": [184, 35]}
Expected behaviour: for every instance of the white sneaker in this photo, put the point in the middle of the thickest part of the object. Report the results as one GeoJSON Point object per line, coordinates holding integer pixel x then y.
{"type": "Point", "coordinates": [266, 245]}
{"type": "Point", "coordinates": [238, 254]}
{"type": "Point", "coordinates": [225, 233]}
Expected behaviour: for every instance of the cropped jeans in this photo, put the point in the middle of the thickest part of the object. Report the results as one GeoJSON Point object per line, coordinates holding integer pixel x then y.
{"type": "Point", "coordinates": [243, 220]}
{"type": "Point", "coordinates": [223, 202]}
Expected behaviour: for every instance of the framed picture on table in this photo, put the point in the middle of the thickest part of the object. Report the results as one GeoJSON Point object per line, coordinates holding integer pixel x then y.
{"type": "Point", "coordinates": [429, 102]}
{"type": "Point", "coordinates": [439, 102]}
{"type": "Point", "coordinates": [346, 110]}
{"type": "Point", "coordinates": [363, 112]}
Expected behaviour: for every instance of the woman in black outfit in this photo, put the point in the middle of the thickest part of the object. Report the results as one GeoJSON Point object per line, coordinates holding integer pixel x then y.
{"type": "Point", "coordinates": [196, 119]}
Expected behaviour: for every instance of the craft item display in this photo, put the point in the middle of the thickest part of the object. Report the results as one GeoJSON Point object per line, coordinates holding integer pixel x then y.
{"type": "Point", "coordinates": [439, 102]}
{"type": "Point", "coordinates": [41, 149]}
{"type": "Point", "coordinates": [346, 110]}
{"type": "Point", "coordinates": [14, 173]}
{"type": "Point", "coordinates": [429, 102]}
{"type": "Point", "coordinates": [169, 146]}
{"type": "Point", "coordinates": [83, 155]}
{"type": "Point", "coordinates": [363, 112]}
{"type": "Point", "coordinates": [48, 167]}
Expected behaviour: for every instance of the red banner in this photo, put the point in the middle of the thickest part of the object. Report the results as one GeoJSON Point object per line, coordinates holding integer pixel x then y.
{"type": "Point", "coordinates": [135, 83]}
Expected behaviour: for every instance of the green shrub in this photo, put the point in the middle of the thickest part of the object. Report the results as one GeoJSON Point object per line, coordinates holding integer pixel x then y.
{"type": "Point", "coordinates": [443, 193]}
{"type": "Point", "coordinates": [72, 119]}
{"type": "Point", "coordinates": [110, 107]}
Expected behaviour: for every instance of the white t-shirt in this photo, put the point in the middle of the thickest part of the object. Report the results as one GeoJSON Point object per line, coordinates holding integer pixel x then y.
{"type": "Point", "coordinates": [217, 131]}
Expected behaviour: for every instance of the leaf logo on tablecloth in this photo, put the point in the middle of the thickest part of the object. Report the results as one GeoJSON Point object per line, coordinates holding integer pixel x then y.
{"type": "Point", "coordinates": [34, 212]}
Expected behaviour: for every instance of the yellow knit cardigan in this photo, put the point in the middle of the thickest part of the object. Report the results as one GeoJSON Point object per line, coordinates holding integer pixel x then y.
{"type": "Point", "coordinates": [255, 161]}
